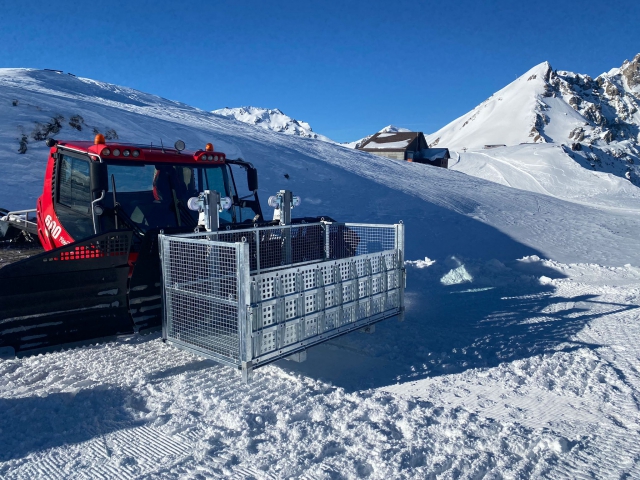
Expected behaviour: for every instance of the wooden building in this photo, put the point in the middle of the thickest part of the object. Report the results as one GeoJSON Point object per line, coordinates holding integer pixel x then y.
{"type": "Point", "coordinates": [408, 146]}
{"type": "Point", "coordinates": [438, 157]}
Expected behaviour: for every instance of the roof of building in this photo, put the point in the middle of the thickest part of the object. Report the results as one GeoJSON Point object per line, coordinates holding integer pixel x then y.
{"type": "Point", "coordinates": [433, 154]}
{"type": "Point", "coordinates": [390, 141]}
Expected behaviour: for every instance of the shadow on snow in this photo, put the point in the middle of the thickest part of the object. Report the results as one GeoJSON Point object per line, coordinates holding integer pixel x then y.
{"type": "Point", "coordinates": [36, 423]}
{"type": "Point", "coordinates": [450, 330]}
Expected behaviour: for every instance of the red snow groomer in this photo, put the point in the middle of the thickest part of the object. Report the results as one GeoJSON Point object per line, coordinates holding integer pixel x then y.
{"type": "Point", "coordinates": [137, 237]}
{"type": "Point", "coordinates": [98, 219]}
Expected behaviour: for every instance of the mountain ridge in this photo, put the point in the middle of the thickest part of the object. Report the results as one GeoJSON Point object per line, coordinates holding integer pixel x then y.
{"type": "Point", "coordinates": [595, 120]}
{"type": "Point", "coordinates": [271, 119]}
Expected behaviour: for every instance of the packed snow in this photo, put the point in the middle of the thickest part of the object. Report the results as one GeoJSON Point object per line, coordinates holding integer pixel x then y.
{"type": "Point", "coordinates": [517, 358]}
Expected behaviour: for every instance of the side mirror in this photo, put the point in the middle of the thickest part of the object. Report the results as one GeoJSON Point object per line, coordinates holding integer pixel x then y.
{"type": "Point", "coordinates": [252, 179]}
{"type": "Point", "coordinates": [99, 177]}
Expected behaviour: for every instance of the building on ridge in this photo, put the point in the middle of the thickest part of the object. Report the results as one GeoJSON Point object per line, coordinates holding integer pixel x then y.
{"type": "Point", "coordinates": [408, 146]}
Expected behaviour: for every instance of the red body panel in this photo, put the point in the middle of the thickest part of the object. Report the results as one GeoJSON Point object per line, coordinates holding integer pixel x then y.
{"type": "Point", "coordinates": [51, 231]}
{"type": "Point", "coordinates": [147, 153]}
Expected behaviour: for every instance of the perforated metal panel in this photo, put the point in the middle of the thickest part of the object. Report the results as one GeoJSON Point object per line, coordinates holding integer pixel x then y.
{"type": "Point", "coordinates": [298, 307]}
{"type": "Point", "coordinates": [249, 297]}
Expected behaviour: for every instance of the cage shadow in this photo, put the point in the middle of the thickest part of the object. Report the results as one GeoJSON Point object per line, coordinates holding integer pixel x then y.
{"type": "Point", "coordinates": [451, 329]}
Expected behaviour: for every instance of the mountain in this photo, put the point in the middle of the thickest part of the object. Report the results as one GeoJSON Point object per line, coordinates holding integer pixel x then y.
{"type": "Point", "coordinates": [271, 119]}
{"type": "Point", "coordinates": [517, 356]}
{"type": "Point", "coordinates": [595, 121]}
{"type": "Point", "coordinates": [387, 129]}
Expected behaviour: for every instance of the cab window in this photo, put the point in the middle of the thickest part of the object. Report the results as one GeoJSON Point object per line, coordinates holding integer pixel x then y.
{"type": "Point", "coordinates": [73, 205]}
{"type": "Point", "coordinates": [74, 186]}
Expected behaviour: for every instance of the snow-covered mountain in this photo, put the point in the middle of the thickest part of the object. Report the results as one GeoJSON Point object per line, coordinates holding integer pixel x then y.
{"type": "Point", "coordinates": [517, 357]}
{"type": "Point", "coordinates": [387, 129]}
{"type": "Point", "coordinates": [597, 121]}
{"type": "Point", "coordinates": [271, 119]}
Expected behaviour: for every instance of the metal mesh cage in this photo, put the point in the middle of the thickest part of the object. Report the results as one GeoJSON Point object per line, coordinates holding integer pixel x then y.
{"type": "Point", "coordinates": [252, 296]}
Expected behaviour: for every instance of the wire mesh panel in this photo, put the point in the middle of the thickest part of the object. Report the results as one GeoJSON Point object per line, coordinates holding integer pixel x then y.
{"type": "Point", "coordinates": [201, 296]}
{"type": "Point", "coordinates": [277, 247]}
{"type": "Point", "coordinates": [351, 239]}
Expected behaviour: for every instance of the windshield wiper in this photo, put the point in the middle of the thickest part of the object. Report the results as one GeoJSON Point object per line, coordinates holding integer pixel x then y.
{"type": "Point", "coordinates": [176, 206]}
{"type": "Point", "coordinates": [119, 212]}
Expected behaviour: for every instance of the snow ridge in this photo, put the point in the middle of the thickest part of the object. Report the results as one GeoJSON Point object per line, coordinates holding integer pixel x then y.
{"type": "Point", "coordinates": [597, 121]}
{"type": "Point", "coordinates": [271, 119]}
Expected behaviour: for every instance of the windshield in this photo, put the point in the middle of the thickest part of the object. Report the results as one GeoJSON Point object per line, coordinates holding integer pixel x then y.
{"type": "Point", "coordinates": [156, 196]}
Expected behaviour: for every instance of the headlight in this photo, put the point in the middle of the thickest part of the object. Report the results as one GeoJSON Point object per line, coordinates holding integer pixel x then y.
{"type": "Point", "coordinates": [225, 203]}
{"type": "Point", "coordinates": [194, 204]}
{"type": "Point", "coordinates": [274, 201]}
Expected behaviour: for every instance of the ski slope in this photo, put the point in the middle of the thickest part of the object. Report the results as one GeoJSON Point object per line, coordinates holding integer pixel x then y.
{"type": "Point", "coordinates": [518, 356]}
{"type": "Point", "coordinates": [549, 169]}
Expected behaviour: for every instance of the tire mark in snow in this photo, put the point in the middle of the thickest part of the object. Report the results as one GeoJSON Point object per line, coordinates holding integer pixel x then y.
{"type": "Point", "coordinates": [246, 473]}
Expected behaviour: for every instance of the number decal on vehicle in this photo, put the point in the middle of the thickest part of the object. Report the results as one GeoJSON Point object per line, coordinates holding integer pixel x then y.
{"type": "Point", "coordinates": [53, 227]}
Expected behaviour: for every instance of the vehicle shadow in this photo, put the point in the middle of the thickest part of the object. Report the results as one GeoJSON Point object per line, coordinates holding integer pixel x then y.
{"type": "Point", "coordinates": [36, 423]}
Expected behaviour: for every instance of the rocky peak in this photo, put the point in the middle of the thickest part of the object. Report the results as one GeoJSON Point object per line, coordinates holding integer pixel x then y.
{"type": "Point", "coordinates": [597, 119]}
{"type": "Point", "coordinates": [631, 72]}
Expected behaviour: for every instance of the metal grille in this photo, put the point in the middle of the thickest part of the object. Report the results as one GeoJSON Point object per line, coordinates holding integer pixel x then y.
{"type": "Point", "coordinates": [349, 240]}
{"type": "Point", "coordinates": [201, 295]}
{"type": "Point", "coordinates": [305, 305]}
{"type": "Point", "coordinates": [106, 245]}
{"type": "Point", "coordinates": [273, 248]}
{"type": "Point", "coordinates": [248, 297]}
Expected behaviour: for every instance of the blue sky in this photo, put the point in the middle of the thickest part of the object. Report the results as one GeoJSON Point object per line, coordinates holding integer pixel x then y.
{"type": "Point", "coordinates": [348, 68]}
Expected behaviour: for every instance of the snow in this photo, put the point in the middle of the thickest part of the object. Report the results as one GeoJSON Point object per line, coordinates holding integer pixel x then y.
{"type": "Point", "coordinates": [505, 118]}
{"type": "Point", "coordinates": [271, 119]}
{"type": "Point", "coordinates": [386, 130]}
{"type": "Point", "coordinates": [385, 145]}
{"type": "Point", "coordinates": [598, 119]}
{"type": "Point", "coordinates": [517, 358]}
{"type": "Point", "coordinates": [548, 169]}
